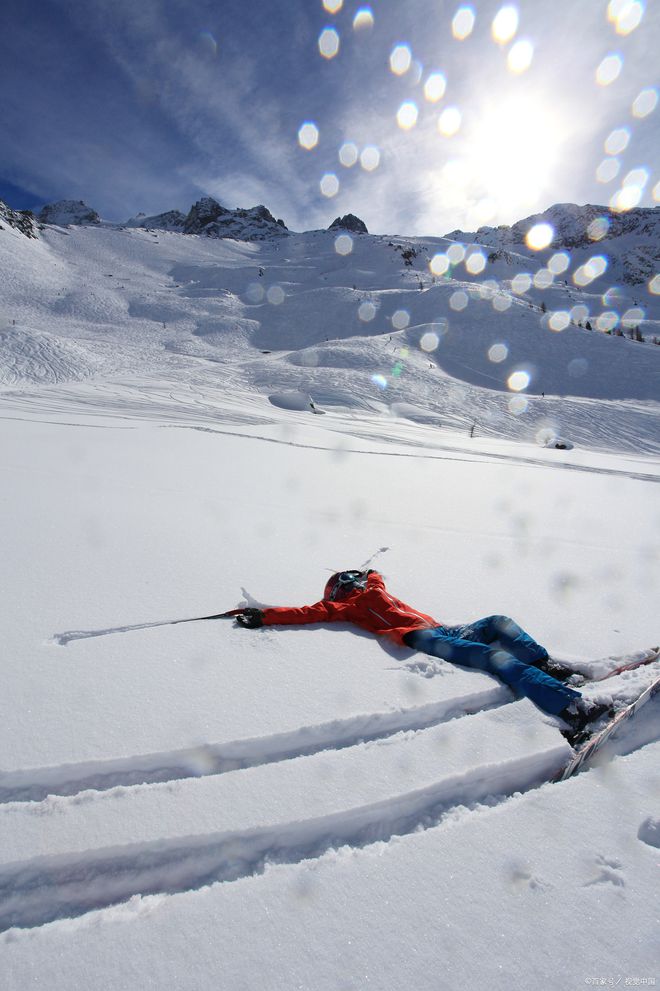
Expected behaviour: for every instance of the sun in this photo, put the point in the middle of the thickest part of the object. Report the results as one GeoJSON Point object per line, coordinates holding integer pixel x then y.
{"type": "Point", "coordinates": [506, 161]}
{"type": "Point", "coordinates": [513, 153]}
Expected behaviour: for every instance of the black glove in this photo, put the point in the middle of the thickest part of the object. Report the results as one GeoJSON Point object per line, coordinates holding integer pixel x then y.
{"type": "Point", "coordinates": [250, 618]}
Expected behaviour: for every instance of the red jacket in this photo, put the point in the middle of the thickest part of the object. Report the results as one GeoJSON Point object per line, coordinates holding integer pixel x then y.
{"type": "Point", "coordinates": [372, 608]}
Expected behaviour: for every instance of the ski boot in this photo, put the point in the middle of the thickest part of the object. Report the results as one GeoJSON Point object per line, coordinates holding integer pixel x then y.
{"type": "Point", "coordinates": [579, 715]}
{"type": "Point", "coordinates": [559, 671]}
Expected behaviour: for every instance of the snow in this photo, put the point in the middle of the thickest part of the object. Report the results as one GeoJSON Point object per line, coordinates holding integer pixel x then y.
{"type": "Point", "coordinates": [198, 805]}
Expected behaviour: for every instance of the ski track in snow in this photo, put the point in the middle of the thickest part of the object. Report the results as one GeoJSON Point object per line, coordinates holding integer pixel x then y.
{"type": "Point", "coordinates": [39, 891]}
{"type": "Point", "coordinates": [36, 892]}
{"type": "Point", "coordinates": [69, 779]}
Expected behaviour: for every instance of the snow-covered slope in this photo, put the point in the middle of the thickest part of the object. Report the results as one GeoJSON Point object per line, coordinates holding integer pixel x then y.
{"type": "Point", "coordinates": [494, 345]}
{"type": "Point", "coordinates": [202, 806]}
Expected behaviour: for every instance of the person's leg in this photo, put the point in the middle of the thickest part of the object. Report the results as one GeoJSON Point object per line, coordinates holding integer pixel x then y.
{"type": "Point", "coordinates": [505, 631]}
{"type": "Point", "coordinates": [448, 644]}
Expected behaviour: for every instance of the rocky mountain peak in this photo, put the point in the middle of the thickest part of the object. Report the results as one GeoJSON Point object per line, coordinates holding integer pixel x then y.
{"type": "Point", "coordinates": [349, 222]}
{"type": "Point", "coordinates": [66, 212]}
{"type": "Point", "coordinates": [20, 220]}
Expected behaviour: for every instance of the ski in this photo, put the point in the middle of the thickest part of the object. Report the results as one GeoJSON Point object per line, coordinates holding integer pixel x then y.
{"type": "Point", "coordinates": [652, 655]}
{"type": "Point", "coordinates": [596, 741]}
{"type": "Point", "coordinates": [644, 657]}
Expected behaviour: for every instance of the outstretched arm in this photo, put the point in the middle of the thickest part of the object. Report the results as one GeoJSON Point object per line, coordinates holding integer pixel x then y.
{"type": "Point", "coordinates": [320, 612]}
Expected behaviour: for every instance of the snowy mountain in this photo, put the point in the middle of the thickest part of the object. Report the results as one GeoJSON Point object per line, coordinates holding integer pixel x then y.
{"type": "Point", "coordinates": [630, 239]}
{"type": "Point", "coordinates": [190, 424]}
{"type": "Point", "coordinates": [349, 222]}
{"type": "Point", "coordinates": [171, 220]}
{"type": "Point", "coordinates": [68, 212]}
{"type": "Point", "coordinates": [209, 218]}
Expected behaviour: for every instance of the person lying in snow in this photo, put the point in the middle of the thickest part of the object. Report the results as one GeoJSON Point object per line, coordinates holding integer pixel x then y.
{"type": "Point", "coordinates": [495, 644]}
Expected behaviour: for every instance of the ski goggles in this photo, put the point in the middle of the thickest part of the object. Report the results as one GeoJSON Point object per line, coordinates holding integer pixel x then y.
{"type": "Point", "coordinates": [342, 582]}
{"type": "Point", "coordinates": [349, 577]}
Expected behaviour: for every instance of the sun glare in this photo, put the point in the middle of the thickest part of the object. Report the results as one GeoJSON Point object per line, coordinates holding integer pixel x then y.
{"type": "Point", "coordinates": [512, 153]}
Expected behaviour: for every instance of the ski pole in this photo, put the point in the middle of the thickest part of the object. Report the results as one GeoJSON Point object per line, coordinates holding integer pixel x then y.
{"type": "Point", "coordinates": [199, 619]}
{"type": "Point", "coordinates": [64, 638]}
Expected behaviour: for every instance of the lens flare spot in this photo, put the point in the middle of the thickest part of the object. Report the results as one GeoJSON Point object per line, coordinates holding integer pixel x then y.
{"type": "Point", "coordinates": [370, 158]}
{"type": "Point", "coordinates": [559, 262]}
{"type": "Point", "coordinates": [656, 192]}
{"type": "Point", "coordinates": [559, 320]}
{"type": "Point", "coordinates": [598, 228]}
{"type": "Point", "coordinates": [591, 270]}
{"type": "Point", "coordinates": [539, 236]}
{"type": "Point", "coordinates": [449, 121]}
{"type": "Point", "coordinates": [435, 87]}
{"type": "Point", "coordinates": [363, 19]}
{"type": "Point", "coordinates": [612, 297]}
{"type": "Point", "coordinates": [208, 43]}
{"type": "Point", "coordinates": [518, 381]}
{"type": "Point", "coordinates": [380, 381]}
{"type": "Point", "coordinates": [518, 405]}
{"type": "Point", "coordinates": [406, 116]}
{"type": "Point", "coordinates": [578, 367]}
{"type": "Point", "coordinates": [637, 177]}
{"type": "Point", "coordinates": [458, 300]}
{"type": "Point", "coordinates": [400, 319]}
{"type": "Point", "coordinates": [505, 24]}
{"type": "Point", "coordinates": [488, 289]}
{"type": "Point", "coordinates": [366, 311]}
{"type": "Point", "coordinates": [628, 17]}
{"type": "Point", "coordinates": [521, 283]}
{"type": "Point", "coordinates": [520, 57]}
{"type": "Point", "coordinates": [275, 295]}
{"type": "Point", "coordinates": [308, 135]}
{"type": "Point", "coordinates": [456, 253]}
{"type": "Point", "coordinates": [429, 341]}
{"type": "Point", "coordinates": [255, 292]}
{"type": "Point", "coordinates": [645, 103]}
{"type": "Point", "coordinates": [332, 6]}
{"type": "Point", "coordinates": [329, 184]}
{"type": "Point", "coordinates": [400, 59]}
{"type": "Point", "coordinates": [543, 279]}
{"type": "Point", "coordinates": [626, 198]}
{"type": "Point", "coordinates": [501, 302]}
{"type": "Point", "coordinates": [579, 313]}
{"type": "Point", "coordinates": [617, 141]}
{"type": "Point", "coordinates": [439, 264]}
{"type": "Point", "coordinates": [633, 317]}
{"type": "Point", "coordinates": [348, 154]}
{"type": "Point", "coordinates": [654, 285]}
{"type": "Point", "coordinates": [607, 321]}
{"type": "Point", "coordinates": [462, 23]}
{"type": "Point", "coordinates": [329, 43]}
{"type": "Point", "coordinates": [344, 244]}
{"type": "Point", "coordinates": [608, 169]}
{"type": "Point", "coordinates": [476, 262]}
{"type": "Point", "coordinates": [609, 70]}
{"type": "Point", "coordinates": [498, 353]}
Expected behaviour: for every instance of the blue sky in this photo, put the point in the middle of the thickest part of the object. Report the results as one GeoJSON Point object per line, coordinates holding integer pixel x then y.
{"type": "Point", "coordinates": [146, 105]}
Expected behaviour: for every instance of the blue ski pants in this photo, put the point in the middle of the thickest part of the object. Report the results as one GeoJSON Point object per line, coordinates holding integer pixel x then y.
{"type": "Point", "coordinates": [497, 645]}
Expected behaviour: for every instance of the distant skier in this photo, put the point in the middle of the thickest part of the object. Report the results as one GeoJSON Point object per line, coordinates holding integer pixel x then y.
{"type": "Point", "coordinates": [495, 644]}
